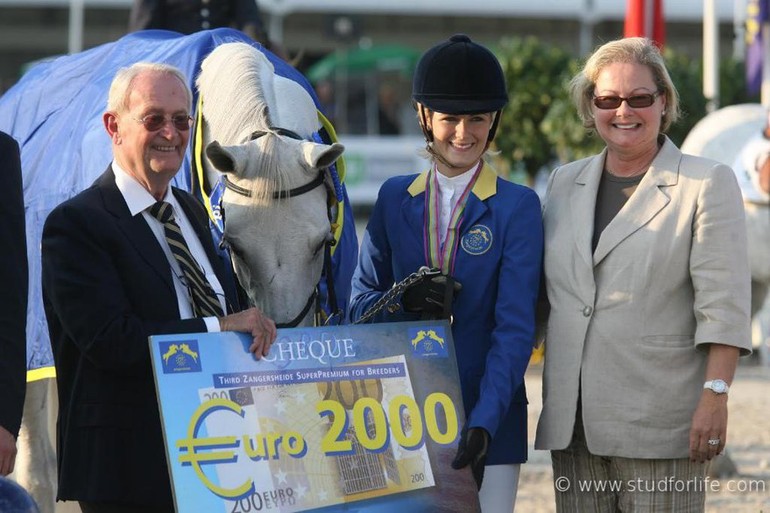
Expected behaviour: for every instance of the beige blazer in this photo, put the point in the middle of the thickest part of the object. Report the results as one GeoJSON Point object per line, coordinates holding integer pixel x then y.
{"type": "Point", "coordinates": [628, 322]}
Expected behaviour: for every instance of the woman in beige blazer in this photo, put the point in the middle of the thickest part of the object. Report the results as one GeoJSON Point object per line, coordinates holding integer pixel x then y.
{"type": "Point", "coordinates": [648, 282]}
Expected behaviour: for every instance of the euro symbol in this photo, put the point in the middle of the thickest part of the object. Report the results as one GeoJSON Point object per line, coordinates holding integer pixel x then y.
{"type": "Point", "coordinates": [190, 447]}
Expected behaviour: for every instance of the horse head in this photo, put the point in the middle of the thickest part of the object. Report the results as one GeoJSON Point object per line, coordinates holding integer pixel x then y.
{"type": "Point", "coordinates": [257, 130]}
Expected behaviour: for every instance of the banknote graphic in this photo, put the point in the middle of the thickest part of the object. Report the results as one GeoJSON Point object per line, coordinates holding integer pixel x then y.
{"type": "Point", "coordinates": [317, 438]}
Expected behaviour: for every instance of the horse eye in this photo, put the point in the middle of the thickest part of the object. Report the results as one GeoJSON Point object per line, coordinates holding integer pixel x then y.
{"type": "Point", "coordinates": [328, 238]}
{"type": "Point", "coordinates": [227, 243]}
{"type": "Point", "coordinates": [319, 247]}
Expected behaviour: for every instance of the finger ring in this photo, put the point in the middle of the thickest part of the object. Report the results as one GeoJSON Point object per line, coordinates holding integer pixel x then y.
{"type": "Point", "coordinates": [714, 441]}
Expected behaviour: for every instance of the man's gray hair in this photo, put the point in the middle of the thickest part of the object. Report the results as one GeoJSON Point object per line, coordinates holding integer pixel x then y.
{"type": "Point", "coordinates": [117, 101]}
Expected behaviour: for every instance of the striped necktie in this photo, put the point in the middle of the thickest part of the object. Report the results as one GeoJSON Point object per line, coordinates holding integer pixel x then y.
{"type": "Point", "coordinates": [203, 298]}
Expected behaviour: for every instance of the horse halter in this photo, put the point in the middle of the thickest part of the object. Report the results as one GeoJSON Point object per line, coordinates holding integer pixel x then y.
{"type": "Point", "coordinates": [287, 194]}
{"type": "Point", "coordinates": [302, 189]}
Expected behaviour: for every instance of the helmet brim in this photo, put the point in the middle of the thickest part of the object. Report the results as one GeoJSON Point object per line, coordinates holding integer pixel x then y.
{"type": "Point", "coordinates": [463, 105]}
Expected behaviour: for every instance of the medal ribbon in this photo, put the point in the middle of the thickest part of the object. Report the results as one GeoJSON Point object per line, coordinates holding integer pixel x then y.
{"type": "Point", "coordinates": [436, 255]}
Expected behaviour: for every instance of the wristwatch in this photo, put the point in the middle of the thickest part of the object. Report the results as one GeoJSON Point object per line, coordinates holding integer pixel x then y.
{"type": "Point", "coordinates": [718, 386]}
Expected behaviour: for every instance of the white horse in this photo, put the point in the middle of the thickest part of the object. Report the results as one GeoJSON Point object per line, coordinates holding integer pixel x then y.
{"type": "Point", "coordinates": [732, 135]}
{"type": "Point", "coordinates": [257, 129]}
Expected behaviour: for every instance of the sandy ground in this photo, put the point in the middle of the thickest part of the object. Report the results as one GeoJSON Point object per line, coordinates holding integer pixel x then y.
{"type": "Point", "coordinates": [748, 446]}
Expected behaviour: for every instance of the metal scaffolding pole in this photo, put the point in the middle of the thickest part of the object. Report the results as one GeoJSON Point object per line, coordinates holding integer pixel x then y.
{"type": "Point", "coordinates": [710, 55]}
{"type": "Point", "coordinates": [75, 42]}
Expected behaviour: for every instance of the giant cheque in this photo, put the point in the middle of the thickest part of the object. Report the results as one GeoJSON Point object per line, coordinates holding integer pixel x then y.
{"type": "Point", "coordinates": [344, 418]}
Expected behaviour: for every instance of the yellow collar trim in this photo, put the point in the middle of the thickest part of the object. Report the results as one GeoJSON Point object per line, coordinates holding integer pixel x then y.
{"type": "Point", "coordinates": [485, 186]}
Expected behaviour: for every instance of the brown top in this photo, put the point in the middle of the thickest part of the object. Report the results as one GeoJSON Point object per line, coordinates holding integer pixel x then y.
{"type": "Point", "coordinates": [613, 193]}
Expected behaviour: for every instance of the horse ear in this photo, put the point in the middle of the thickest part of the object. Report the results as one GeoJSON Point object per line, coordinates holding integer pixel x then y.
{"type": "Point", "coordinates": [321, 155]}
{"type": "Point", "coordinates": [224, 159]}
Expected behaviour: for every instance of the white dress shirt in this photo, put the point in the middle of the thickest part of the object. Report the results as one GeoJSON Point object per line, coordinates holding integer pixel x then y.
{"type": "Point", "coordinates": [450, 190]}
{"type": "Point", "coordinates": [139, 200]}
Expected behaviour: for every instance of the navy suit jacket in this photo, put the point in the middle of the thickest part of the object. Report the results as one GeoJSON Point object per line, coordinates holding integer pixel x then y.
{"type": "Point", "coordinates": [13, 292]}
{"type": "Point", "coordinates": [107, 286]}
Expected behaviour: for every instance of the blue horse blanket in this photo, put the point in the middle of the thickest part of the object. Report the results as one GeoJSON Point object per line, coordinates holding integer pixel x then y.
{"type": "Point", "coordinates": [55, 113]}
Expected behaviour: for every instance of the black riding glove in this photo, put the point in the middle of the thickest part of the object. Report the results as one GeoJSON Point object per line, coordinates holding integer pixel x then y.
{"type": "Point", "coordinates": [432, 296]}
{"type": "Point", "coordinates": [472, 450]}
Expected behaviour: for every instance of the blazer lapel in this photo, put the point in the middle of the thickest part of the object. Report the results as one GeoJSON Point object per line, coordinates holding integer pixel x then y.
{"type": "Point", "coordinates": [413, 206]}
{"type": "Point", "coordinates": [475, 207]}
{"type": "Point", "coordinates": [134, 227]}
{"type": "Point", "coordinates": [645, 203]}
{"type": "Point", "coordinates": [583, 205]}
{"type": "Point", "coordinates": [201, 230]}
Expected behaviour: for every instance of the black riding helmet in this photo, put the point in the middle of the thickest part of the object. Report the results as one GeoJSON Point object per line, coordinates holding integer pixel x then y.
{"type": "Point", "coordinates": [459, 76]}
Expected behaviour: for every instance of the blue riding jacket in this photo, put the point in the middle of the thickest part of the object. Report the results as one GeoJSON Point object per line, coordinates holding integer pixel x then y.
{"type": "Point", "coordinates": [498, 262]}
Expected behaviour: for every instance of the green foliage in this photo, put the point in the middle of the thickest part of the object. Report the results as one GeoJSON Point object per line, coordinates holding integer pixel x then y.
{"type": "Point", "coordinates": [732, 83]}
{"type": "Point", "coordinates": [540, 126]}
{"type": "Point", "coordinates": [535, 74]}
{"type": "Point", "coordinates": [687, 75]}
{"type": "Point", "coordinates": [564, 130]}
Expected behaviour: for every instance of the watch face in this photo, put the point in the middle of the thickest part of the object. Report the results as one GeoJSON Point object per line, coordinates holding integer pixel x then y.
{"type": "Point", "coordinates": [719, 386]}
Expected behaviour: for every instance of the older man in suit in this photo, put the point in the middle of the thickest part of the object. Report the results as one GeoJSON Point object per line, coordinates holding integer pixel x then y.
{"type": "Point", "coordinates": [13, 296]}
{"type": "Point", "coordinates": [112, 276]}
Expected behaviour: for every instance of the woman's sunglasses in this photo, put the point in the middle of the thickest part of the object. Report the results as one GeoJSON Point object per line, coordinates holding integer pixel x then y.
{"type": "Point", "coordinates": [637, 101]}
{"type": "Point", "coordinates": [154, 122]}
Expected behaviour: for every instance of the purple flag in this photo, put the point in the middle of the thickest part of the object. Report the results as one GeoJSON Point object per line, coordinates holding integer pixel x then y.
{"type": "Point", "coordinates": [757, 13]}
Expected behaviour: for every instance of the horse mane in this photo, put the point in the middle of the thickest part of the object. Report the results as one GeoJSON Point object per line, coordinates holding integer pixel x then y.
{"type": "Point", "coordinates": [237, 88]}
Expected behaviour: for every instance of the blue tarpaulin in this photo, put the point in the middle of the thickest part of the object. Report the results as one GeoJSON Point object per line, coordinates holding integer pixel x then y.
{"type": "Point", "coordinates": [55, 113]}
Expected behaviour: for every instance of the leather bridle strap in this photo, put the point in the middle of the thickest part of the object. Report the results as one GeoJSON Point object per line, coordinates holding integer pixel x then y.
{"type": "Point", "coordinates": [302, 189]}
{"type": "Point", "coordinates": [332, 294]}
{"type": "Point", "coordinates": [294, 322]}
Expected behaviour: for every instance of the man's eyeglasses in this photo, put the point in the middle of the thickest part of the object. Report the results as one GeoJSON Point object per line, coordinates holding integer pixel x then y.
{"type": "Point", "coordinates": [154, 122]}
{"type": "Point", "coordinates": [637, 101]}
